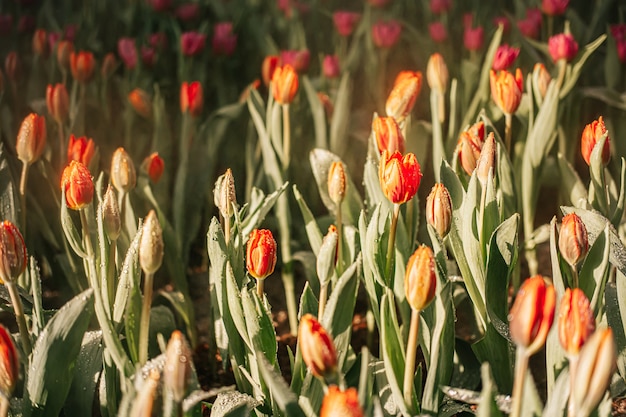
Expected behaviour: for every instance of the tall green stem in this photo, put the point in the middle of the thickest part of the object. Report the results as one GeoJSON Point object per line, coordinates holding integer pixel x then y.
{"type": "Point", "coordinates": [144, 324]}
{"type": "Point", "coordinates": [322, 302]}
{"type": "Point", "coordinates": [573, 365]}
{"type": "Point", "coordinates": [439, 154]}
{"type": "Point", "coordinates": [260, 288]}
{"type": "Point", "coordinates": [521, 367]}
{"type": "Point", "coordinates": [508, 122]}
{"type": "Point", "coordinates": [339, 219]}
{"type": "Point", "coordinates": [4, 406]}
{"type": "Point", "coordinates": [391, 245]}
{"type": "Point", "coordinates": [23, 182]}
{"type": "Point", "coordinates": [286, 138]}
{"type": "Point", "coordinates": [110, 277]}
{"type": "Point", "coordinates": [411, 350]}
{"type": "Point", "coordinates": [19, 316]}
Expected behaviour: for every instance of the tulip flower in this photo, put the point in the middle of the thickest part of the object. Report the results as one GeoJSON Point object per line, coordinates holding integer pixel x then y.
{"type": "Point", "coordinates": [330, 67]}
{"type": "Point", "coordinates": [82, 66]}
{"type": "Point", "coordinates": [191, 98]}
{"type": "Point", "coordinates": [401, 99]}
{"type": "Point", "coordinates": [81, 149]}
{"type": "Point", "coordinates": [468, 150]}
{"type": "Point", "coordinates": [109, 64]}
{"type": "Point", "coordinates": [592, 133]}
{"type": "Point", "coordinates": [529, 28]}
{"type": "Point", "coordinates": [338, 403]}
{"type": "Point", "coordinates": [554, 7]}
{"type": "Point", "coordinates": [261, 256]}
{"type": "Point", "coordinates": [77, 185]}
{"type": "Point", "coordinates": [473, 38]}
{"type": "Point", "coordinates": [440, 6]}
{"type": "Point", "coordinates": [160, 5]}
{"type": "Point", "coordinates": [111, 214]}
{"type": "Point", "coordinates": [298, 59]}
{"type": "Point", "coordinates": [399, 176]}
{"type": "Point", "coordinates": [576, 322]}
{"type": "Point", "coordinates": [13, 257]}
{"type": "Point", "coordinates": [12, 66]}
{"type": "Point", "coordinates": [345, 22]}
{"type": "Point", "coordinates": [9, 364]}
{"type": "Point", "coordinates": [541, 79]}
{"type": "Point", "coordinates": [141, 102]}
{"type": "Point", "coordinates": [284, 84]}
{"type": "Point", "coordinates": [506, 91]}
{"type": "Point", "coordinates": [192, 43]}
{"type": "Point", "coordinates": [562, 47]}
{"type": "Point", "coordinates": [187, 12]}
{"type": "Point", "coordinates": [487, 160]}
{"type": "Point", "coordinates": [144, 401]}
{"type": "Point", "coordinates": [127, 50]}
{"type": "Point", "coordinates": [57, 101]}
{"type": "Point", "coordinates": [224, 40]}
{"type": "Point", "coordinates": [439, 210]}
{"type": "Point", "coordinates": [177, 369]}
{"type": "Point", "coordinates": [388, 135]}
{"type": "Point", "coordinates": [437, 77]}
{"type": "Point", "coordinates": [504, 57]}
{"type": "Point", "coordinates": [65, 49]}
{"type": "Point", "coordinates": [6, 23]}
{"type": "Point", "coordinates": [40, 43]}
{"type": "Point", "coordinates": [318, 350]}
{"type": "Point", "coordinates": [337, 182]}
{"type": "Point", "coordinates": [31, 138]}
{"type": "Point", "coordinates": [438, 32]}
{"type": "Point", "coordinates": [123, 174]}
{"type": "Point", "coordinates": [154, 166]}
{"type": "Point", "coordinates": [386, 34]}
{"type": "Point", "coordinates": [270, 63]}
{"type": "Point", "coordinates": [573, 241]}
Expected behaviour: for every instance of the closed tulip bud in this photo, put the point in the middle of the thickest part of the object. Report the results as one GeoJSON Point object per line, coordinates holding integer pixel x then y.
{"type": "Point", "coordinates": [506, 90]}
{"type": "Point", "coordinates": [487, 160]}
{"type": "Point", "coordinates": [330, 66]}
{"type": "Point", "coordinates": [81, 149]}
{"type": "Point", "coordinates": [65, 49]}
{"type": "Point", "coordinates": [123, 174]}
{"type": "Point", "coordinates": [144, 401]}
{"type": "Point", "coordinates": [473, 38]}
{"type": "Point", "coordinates": [13, 257]}
{"type": "Point", "coordinates": [554, 7]}
{"type": "Point", "coordinates": [477, 131]}
{"type": "Point", "coordinates": [151, 244]}
{"type": "Point", "coordinates": [541, 79]}
{"type": "Point", "coordinates": [327, 256]}
{"type": "Point", "coordinates": [402, 98]}
{"type": "Point", "coordinates": [82, 66]}
{"type": "Point", "coordinates": [109, 64]}
{"type": "Point", "coordinates": [386, 34]}
{"type": "Point", "coordinates": [224, 40]}
{"type": "Point", "coordinates": [504, 57]}
{"type": "Point", "coordinates": [420, 279]}
{"type": "Point", "coordinates": [12, 66]}
{"type": "Point", "coordinates": [437, 73]}
{"type": "Point", "coordinates": [439, 209]}
{"type": "Point", "coordinates": [388, 135]}
{"type": "Point", "coordinates": [31, 138]}
{"type": "Point", "coordinates": [77, 185]}
{"type": "Point", "coordinates": [111, 214]}
{"type": "Point", "coordinates": [192, 43]}
{"type": "Point", "coordinates": [316, 345]}
{"type": "Point", "coordinates": [339, 403]}
{"type": "Point", "coordinates": [284, 84]}
{"type": "Point", "coordinates": [261, 253]}
{"type": "Point", "coordinates": [399, 176]}
{"type": "Point", "coordinates": [224, 195]}
{"type": "Point", "coordinates": [337, 182]}
{"type": "Point", "coordinates": [40, 43]}
{"type": "Point", "coordinates": [270, 63]}
{"type": "Point", "coordinates": [154, 166]}
{"type": "Point", "coordinates": [532, 314]}
{"type": "Point", "coordinates": [468, 149]}
{"type": "Point", "coordinates": [57, 101]}
{"type": "Point", "coordinates": [596, 367]}
{"type": "Point", "coordinates": [177, 369]}
{"type": "Point", "coordinates": [141, 102]}
{"type": "Point", "coordinates": [592, 133]}
{"type": "Point", "coordinates": [576, 321]}
{"type": "Point", "coordinates": [562, 46]}
{"type": "Point", "coordinates": [9, 364]}
{"type": "Point", "coordinates": [438, 32]}
{"type": "Point", "coordinates": [573, 241]}
{"type": "Point", "coordinates": [127, 50]}
{"type": "Point", "coordinates": [440, 6]}
{"type": "Point", "coordinates": [191, 98]}
{"type": "Point", "coordinates": [345, 22]}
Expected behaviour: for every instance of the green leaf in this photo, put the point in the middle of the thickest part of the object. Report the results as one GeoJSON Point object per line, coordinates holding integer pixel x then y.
{"type": "Point", "coordinates": [51, 367]}
{"type": "Point", "coordinates": [495, 349]}
{"type": "Point", "coordinates": [618, 211]}
{"type": "Point", "coordinates": [487, 406]}
{"type": "Point", "coordinates": [313, 231]}
{"type": "Point", "coordinates": [132, 321]}
{"type": "Point", "coordinates": [88, 365]}
{"type": "Point", "coordinates": [577, 65]}
{"type": "Point", "coordinates": [72, 235]}
{"type": "Point", "coordinates": [284, 398]}
{"type": "Point", "coordinates": [594, 272]}
{"type": "Point", "coordinates": [571, 182]}
{"type": "Point", "coordinates": [260, 205]}
{"type": "Point", "coordinates": [259, 325]}
{"type": "Point", "coordinates": [341, 116]}
{"type": "Point", "coordinates": [317, 112]}
{"type": "Point", "coordinates": [129, 278]}
{"type": "Point", "coordinates": [233, 404]}
{"type": "Point", "coordinates": [556, 406]}
{"type": "Point", "coordinates": [616, 317]}
{"type": "Point", "coordinates": [8, 193]}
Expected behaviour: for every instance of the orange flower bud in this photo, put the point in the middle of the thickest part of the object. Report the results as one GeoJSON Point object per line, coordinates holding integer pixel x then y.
{"type": "Point", "coordinates": [437, 73]}
{"type": "Point", "coordinates": [402, 98]}
{"type": "Point", "coordinates": [388, 135]}
{"type": "Point", "coordinates": [82, 65]}
{"type": "Point", "coordinates": [439, 209]}
{"type": "Point", "coordinates": [592, 133]}
{"type": "Point", "coordinates": [420, 279]}
{"type": "Point", "coordinates": [327, 103]}
{"type": "Point", "coordinates": [318, 350]}
{"type": "Point", "coordinates": [9, 364]}
{"type": "Point", "coordinates": [13, 257]}
{"type": "Point", "coordinates": [573, 241]}
{"type": "Point", "coordinates": [57, 101]}
{"type": "Point", "coordinates": [284, 84]}
{"type": "Point", "coordinates": [468, 149]}
{"type": "Point", "coordinates": [12, 66]}
{"type": "Point", "coordinates": [261, 253]}
{"type": "Point", "coordinates": [154, 166]}
{"type": "Point", "coordinates": [270, 63]}
{"type": "Point", "coordinates": [337, 182]}
{"type": "Point", "coordinates": [576, 321]}
{"type": "Point", "coordinates": [339, 403]}
{"type": "Point", "coordinates": [109, 64]}
{"type": "Point", "coordinates": [151, 244]}
{"type": "Point", "coordinates": [111, 214]}
{"type": "Point", "coordinates": [191, 98]}
{"type": "Point", "coordinates": [487, 160]}
{"type": "Point", "coordinates": [41, 46]}
{"type": "Point", "coordinates": [541, 79]}
{"type": "Point", "coordinates": [141, 102]}
{"type": "Point", "coordinates": [65, 49]}
{"type": "Point", "coordinates": [224, 195]}
{"type": "Point", "coordinates": [177, 369]}
{"type": "Point", "coordinates": [31, 138]}
{"type": "Point", "coordinates": [399, 176]}
{"type": "Point", "coordinates": [506, 89]}
{"type": "Point", "coordinates": [144, 401]}
{"type": "Point", "coordinates": [81, 149]}
{"type": "Point", "coordinates": [532, 314]}
{"type": "Point", "coordinates": [123, 174]}
{"type": "Point", "coordinates": [77, 184]}
{"type": "Point", "coordinates": [477, 131]}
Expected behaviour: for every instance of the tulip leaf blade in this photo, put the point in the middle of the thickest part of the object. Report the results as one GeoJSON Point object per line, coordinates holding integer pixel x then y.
{"type": "Point", "coordinates": [283, 397]}
{"type": "Point", "coordinates": [594, 272]}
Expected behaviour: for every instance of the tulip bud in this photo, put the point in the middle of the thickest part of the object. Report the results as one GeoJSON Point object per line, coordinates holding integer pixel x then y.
{"type": "Point", "coordinates": [554, 7]}
{"type": "Point", "coordinates": [298, 59]}
{"type": "Point", "coordinates": [386, 34]}
{"type": "Point", "coordinates": [9, 364]}
{"type": "Point", "coordinates": [318, 350]}
{"type": "Point", "coordinates": [13, 257]}
{"type": "Point", "coordinates": [224, 41]}
{"type": "Point", "coordinates": [399, 176]}
{"type": "Point", "coordinates": [144, 402]}
{"type": "Point", "coordinates": [65, 49]}
{"type": "Point", "coordinates": [270, 63]}
{"type": "Point", "coordinates": [330, 66]}
{"type": "Point", "coordinates": [437, 73]}
{"type": "Point", "coordinates": [473, 38]}
{"type": "Point", "coordinates": [504, 57]}
{"type": "Point", "coordinates": [532, 314]}
{"type": "Point", "coordinates": [191, 98]}
{"type": "Point", "coordinates": [541, 79]}
{"type": "Point", "coordinates": [420, 279]}
{"type": "Point", "coordinates": [388, 135]}
{"type": "Point", "coordinates": [402, 97]}
{"type": "Point", "coordinates": [487, 160]}
{"type": "Point", "coordinates": [109, 64]}
{"type": "Point", "coordinates": [284, 84]}
{"type": "Point", "coordinates": [154, 166]}
{"type": "Point", "coordinates": [573, 241]}
{"type": "Point", "coordinates": [261, 253]}
{"type": "Point", "coordinates": [576, 321]}
{"type": "Point", "coordinates": [177, 369]}
{"type": "Point", "coordinates": [40, 43]}
{"type": "Point", "coordinates": [127, 50]}
{"type": "Point", "coordinates": [57, 101]}
{"type": "Point", "coordinates": [123, 175]}
{"type": "Point", "coordinates": [82, 65]}
{"type": "Point", "coordinates": [345, 22]}
{"type": "Point", "coordinates": [562, 46]}
{"type": "Point", "coordinates": [327, 256]}
{"type": "Point", "coordinates": [506, 90]}
{"type": "Point", "coordinates": [192, 43]}
{"type": "Point", "coordinates": [337, 182]}
{"type": "Point", "coordinates": [81, 149]}
{"type": "Point", "coordinates": [439, 209]}
{"type": "Point", "coordinates": [31, 138]}
{"type": "Point", "coordinates": [469, 148]}
{"type": "Point", "coordinates": [12, 66]}
{"type": "Point", "coordinates": [596, 366]}
{"type": "Point", "coordinates": [111, 214]}
{"type": "Point", "coordinates": [77, 185]}
{"type": "Point", "coordinates": [592, 133]}
{"type": "Point", "coordinates": [438, 32]}
{"type": "Point", "coordinates": [141, 102]}
{"type": "Point", "coordinates": [151, 244]}
{"type": "Point", "coordinates": [224, 195]}
{"type": "Point", "coordinates": [339, 403]}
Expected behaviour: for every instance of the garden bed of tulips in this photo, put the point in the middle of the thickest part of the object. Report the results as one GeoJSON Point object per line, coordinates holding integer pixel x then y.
{"type": "Point", "coordinates": [312, 207]}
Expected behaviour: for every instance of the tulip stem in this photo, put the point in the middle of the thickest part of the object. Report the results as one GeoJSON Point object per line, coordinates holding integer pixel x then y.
{"type": "Point", "coordinates": [19, 315]}
{"type": "Point", "coordinates": [391, 245]}
{"type": "Point", "coordinates": [260, 288]}
{"type": "Point", "coordinates": [111, 273]}
{"type": "Point", "coordinates": [23, 182]}
{"type": "Point", "coordinates": [144, 324]}
{"type": "Point", "coordinates": [574, 276]}
{"type": "Point", "coordinates": [286, 137]}
{"type": "Point", "coordinates": [227, 230]}
{"type": "Point", "coordinates": [573, 365]}
{"type": "Point", "coordinates": [521, 367]}
{"type": "Point", "coordinates": [322, 302]}
{"type": "Point", "coordinates": [339, 220]}
{"type": "Point", "coordinates": [411, 350]}
{"type": "Point", "coordinates": [508, 122]}
{"type": "Point", "coordinates": [4, 406]}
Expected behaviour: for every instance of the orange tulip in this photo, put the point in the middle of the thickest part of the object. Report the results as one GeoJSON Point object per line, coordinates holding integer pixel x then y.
{"type": "Point", "coordinates": [506, 90]}
{"type": "Point", "coordinates": [31, 138]}
{"type": "Point", "coordinates": [13, 257]}
{"type": "Point", "coordinates": [399, 176]}
{"type": "Point", "coordinates": [439, 209]}
{"type": "Point", "coordinates": [420, 279]}
{"type": "Point", "coordinates": [57, 101]}
{"type": "Point", "coordinates": [339, 403]}
{"type": "Point", "coordinates": [468, 149]}
{"type": "Point", "coordinates": [270, 63]}
{"type": "Point", "coordinates": [177, 369]}
{"type": "Point", "coordinates": [77, 185]}
{"type": "Point", "coordinates": [573, 241]}
{"type": "Point", "coordinates": [487, 159]}
{"type": "Point", "coordinates": [141, 102]}
{"type": "Point", "coordinates": [81, 149]}
{"type": "Point", "coordinates": [284, 84]}
{"type": "Point", "coordinates": [337, 182]}
{"type": "Point", "coordinates": [318, 350]}
{"type": "Point", "coordinates": [154, 166]}
{"type": "Point", "coordinates": [151, 244]}
{"type": "Point", "coordinates": [65, 49]}
{"type": "Point", "coordinates": [123, 174]}
{"type": "Point", "coordinates": [592, 133]}
{"type": "Point", "coordinates": [191, 98]}
{"type": "Point", "coordinates": [541, 79]}
{"type": "Point", "coordinates": [437, 73]}
{"type": "Point", "coordinates": [576, 320]}
{"type": "Point", "coordinates": [41, 47]}
{"type": "Point", "coordinates": [402, 97]}
{"type": "Point", "coordinates": [388, 135]}
{"type": "Point", "coordinates": [9, 363]}
{"type": "Point", "coordinates": [12, 66]}
{"type": "Point", "coordinates": [82, 66]}
{"type": "Point", "coordinates": [109, 64]}
{"type": "Point", "coordinates": [261, 253]}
